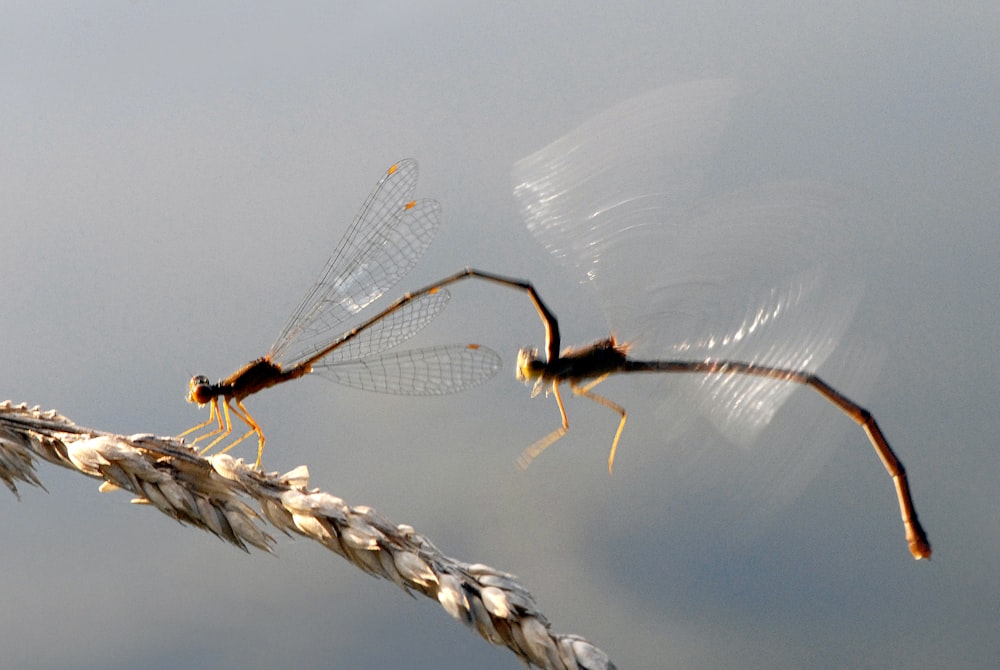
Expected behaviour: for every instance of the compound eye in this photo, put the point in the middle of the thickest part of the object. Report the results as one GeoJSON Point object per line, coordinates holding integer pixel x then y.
{"type": "Point", "coordinates": [528, 365]}
{"type": "Point", "coordinates": [199, 389]}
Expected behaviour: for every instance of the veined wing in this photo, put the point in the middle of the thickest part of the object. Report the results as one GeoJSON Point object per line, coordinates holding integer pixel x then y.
{"type": "Point", "coordinates": [386, 239]}
{"type": "Point", "coordinates": [385, 330]}
{"type": "Point", "coordinates": [430, 371]}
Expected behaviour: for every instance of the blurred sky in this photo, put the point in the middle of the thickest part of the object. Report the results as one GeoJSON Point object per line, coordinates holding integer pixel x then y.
{"type": "Point", "coordinates": [173, 175]}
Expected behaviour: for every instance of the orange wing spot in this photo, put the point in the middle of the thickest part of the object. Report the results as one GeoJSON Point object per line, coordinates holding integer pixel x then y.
{"type": "Point", "coordinates": [393, 169]}
{"type": "Point", "coordinates": [410, 205]}
{"type": "Point", "coordinates": [472, 346]}
{"type": "Point", "coordinates": [434, 290]}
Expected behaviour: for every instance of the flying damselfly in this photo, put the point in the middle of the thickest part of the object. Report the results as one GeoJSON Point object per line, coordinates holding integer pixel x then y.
{"type": "Point", "coordinates": [774, 262]}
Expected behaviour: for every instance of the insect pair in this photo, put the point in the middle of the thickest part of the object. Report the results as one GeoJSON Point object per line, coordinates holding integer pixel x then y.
{"type": "Point", "coordinates": [386, 239]}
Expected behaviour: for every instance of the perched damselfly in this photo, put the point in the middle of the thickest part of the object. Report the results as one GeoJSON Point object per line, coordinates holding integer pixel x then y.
{"type": "Point", "coordinates": [386, 239]}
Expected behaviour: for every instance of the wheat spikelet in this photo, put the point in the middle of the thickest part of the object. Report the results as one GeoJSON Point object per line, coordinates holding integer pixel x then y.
{"type": "Point", "coordinates": [212, 493]}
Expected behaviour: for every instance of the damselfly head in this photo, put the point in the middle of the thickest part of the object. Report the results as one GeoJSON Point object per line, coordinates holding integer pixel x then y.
{"type": "Point", "coordinates": [529, 366]}
{"type": "Point", "coordinates": [199, 390]}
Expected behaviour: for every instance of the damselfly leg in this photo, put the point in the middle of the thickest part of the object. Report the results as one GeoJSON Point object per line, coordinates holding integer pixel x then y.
{"type": "Point", "coordinates": [385, 240]}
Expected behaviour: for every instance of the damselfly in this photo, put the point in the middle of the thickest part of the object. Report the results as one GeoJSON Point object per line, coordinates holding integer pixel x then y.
{"type": "Point", "coordinates": [622, 194]}
{"type": "Point", "coordinates": [386, 239]}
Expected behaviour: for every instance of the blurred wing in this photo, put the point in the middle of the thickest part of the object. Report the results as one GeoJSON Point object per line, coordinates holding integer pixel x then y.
{"type": "Point", "coordinates": [775, 284]}
{"type": "Point", "coordinates": [386, 239]}
{"type": "Point", "coordinates": [636, 166]}
{"type": "Point", "coordinates": [430, 371]}
{"type": "Point", "coordinates": [762, 275]}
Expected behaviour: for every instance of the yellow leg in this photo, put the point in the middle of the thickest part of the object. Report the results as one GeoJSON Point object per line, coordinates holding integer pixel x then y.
{"type": "Point", "coordinates": [213, 415]}
{"type": "Point", "coordinates": [585, 392]}
{"type": "Point", "coordinates": [532, 452]}
{"type": "Point", "coordinates": [529, 454]}
{"type": "Point", "coordinates": [227, 428]}
{"type": "Point", "coordinates": [241, 411]}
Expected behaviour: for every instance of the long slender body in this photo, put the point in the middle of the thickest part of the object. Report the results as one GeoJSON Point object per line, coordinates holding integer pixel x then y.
{"type": "Point", "coordinates": [227, 394]}
{"type": "Point", "coordinates": [596, 362]}
{"type": "Point", "coordinates": [456, 367]}
{"type": "Point", "coordinates": [919, 545]}
{"type": "Point", "coordinates": [583, 368]}
{"type": "Point", "coordinates": [385, 240]}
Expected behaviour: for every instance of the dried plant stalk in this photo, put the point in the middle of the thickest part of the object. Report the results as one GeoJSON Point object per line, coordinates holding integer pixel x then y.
{"type": "Point", "coordinates": [213, 493]}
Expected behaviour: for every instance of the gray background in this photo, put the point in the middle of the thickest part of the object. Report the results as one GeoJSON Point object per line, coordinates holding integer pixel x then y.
{"type": "Point", "coordinates": [172, 177]}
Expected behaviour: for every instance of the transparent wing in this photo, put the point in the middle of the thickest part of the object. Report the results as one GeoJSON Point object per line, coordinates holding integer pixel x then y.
{"type": "Point", "coordinates": [388, 329]}
{"type": "Point", "coordinates": [635, 167]}
{"type": "Point", "coordinates": [770, 279]}
{"type": "Point", "coordinates": [762, 275]}
{"type": "Point", "coordinates": [431, 371]}
{"type": "Point", "coordinates": [386, 239]}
